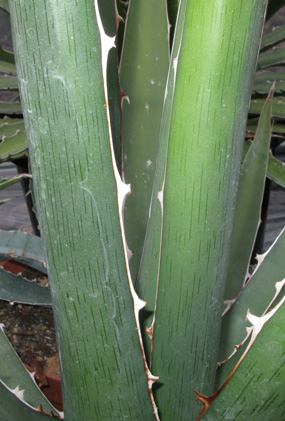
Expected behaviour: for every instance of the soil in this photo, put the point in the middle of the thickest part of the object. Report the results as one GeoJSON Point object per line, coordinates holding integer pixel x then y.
{"type": "Point", "coordinates": [31, 331]}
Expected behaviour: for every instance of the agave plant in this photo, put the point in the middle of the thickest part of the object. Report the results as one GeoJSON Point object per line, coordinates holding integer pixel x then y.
{"type": "Point", "coordinates": [138, 281]}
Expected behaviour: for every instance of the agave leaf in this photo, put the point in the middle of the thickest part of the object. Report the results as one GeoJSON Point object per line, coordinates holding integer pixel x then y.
{"type": "Point", "coordinates": [273, 58]}
{"type": "Point", "coordinates": [14, 375]}
{"type": "Point", "coordinates": [6, 56]}
{"type": "Point", "coordinates": [255, 389]}
{"type": "Point", "coordinates": [276, 170]}
{"type": "Point", "coordinates": [14, 146]}
{"type": "Point", "coordinates": [6, 67]}
{"type": "Point", "coordinates": [94, 307]}
{"type": "Point", "coordinates": [8, 82]}
{"type": "Point", "coordinates": [249, 201]}
{"type": "Point", "coordinates": [255, 295]}
{"type": "Point", "coordinates": [278, 107]}
{"type": "Point", "coordinates": [143, 72]}
{"type": "Point", "coordinates": [264, 88]}
{"type": "Point", "coordinates": [16, 289]}
{"type": "Point", "coordinates": [270, 77]}
{"type": "Point", "coordinates": [276, 36]}
{"type": "Point", "coordinates": [10, 108]}
{"type": "Point", "coordinates": [6, 182]}
{"type": "Point", "coordinates": [110, 21]}
{"type": "Point", "coordinates": [197, 219]}
{"type": "Point", "coordinates": [148, 276]}
{"type": "Point", "coordinates": [4, 4]}
{"type": "Point", "coordinates": [24, 247]}
{"type": "Point", "coordinates": [11, 405]}
{"type": "Point", "coordinates": [10, 121]}
{"type": "Point", "coordinates": [9, 127]}
{"type": "Point", "coordinates": [277, 128]}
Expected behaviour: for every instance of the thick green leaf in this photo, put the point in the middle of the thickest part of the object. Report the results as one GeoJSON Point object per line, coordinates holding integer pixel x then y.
{"type": "Point", "coordinates": [278, 107]}
{"type": "Point", "coordinates": [277, 35]}
{"type": "Point", "coordinates": [102, 366]}
{"type": "Point", "coordinates": [256, 391]}
{"type": "Point", "coordinates": [10, 108]}
{"type": "Point", "coordinates": [202, 164]}
{"type": "Point", "coordinates": [143, 72]}
{"type": "Point", "coordinates": [249, 201]}
{"type": "Point", "coordinates": [13, 374]}
{"type": "Point", "coordinates": [8, 82]}
{"type": "Point", "coordinates": [13, 147]}
{"type": "Point", "coordinates": [272, 58]}
{"type": "Point", "coordinates": [23, 247]}
{"type": "Point", "coordinates": [255, 296]}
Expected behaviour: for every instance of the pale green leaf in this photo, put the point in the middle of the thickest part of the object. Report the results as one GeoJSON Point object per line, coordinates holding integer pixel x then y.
{"type": "Point", "coordinates": [202, 164]}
